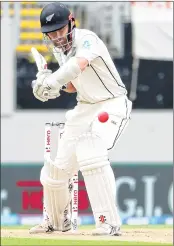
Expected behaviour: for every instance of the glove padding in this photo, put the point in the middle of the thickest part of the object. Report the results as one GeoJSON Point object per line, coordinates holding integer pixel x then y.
{"type": "Point", "coordinates": [41, 90]}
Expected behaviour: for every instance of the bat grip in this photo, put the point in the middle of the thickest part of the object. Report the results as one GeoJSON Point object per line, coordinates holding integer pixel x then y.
{"type": "Point", "coordinates": [45, 94]}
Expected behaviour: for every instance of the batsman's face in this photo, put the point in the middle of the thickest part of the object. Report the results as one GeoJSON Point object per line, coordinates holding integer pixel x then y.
{"type": "Point", "coordinates": [59, 38]}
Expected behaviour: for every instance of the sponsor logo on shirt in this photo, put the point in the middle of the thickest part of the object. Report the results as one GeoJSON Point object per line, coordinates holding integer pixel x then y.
{"type": "Point", "coordinates": [86, 44]}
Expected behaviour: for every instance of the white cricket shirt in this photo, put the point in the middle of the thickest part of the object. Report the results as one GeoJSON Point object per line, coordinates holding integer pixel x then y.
{"type": "Point", "coordinates": [100, 80]}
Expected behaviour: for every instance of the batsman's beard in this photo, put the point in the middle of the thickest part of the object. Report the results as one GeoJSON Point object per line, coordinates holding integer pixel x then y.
{"type": "Point", "coordinates": [60, 44]}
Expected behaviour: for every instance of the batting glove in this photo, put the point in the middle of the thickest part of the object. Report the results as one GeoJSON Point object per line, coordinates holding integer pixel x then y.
{"type": "Point", "coordinates": [41, 90]}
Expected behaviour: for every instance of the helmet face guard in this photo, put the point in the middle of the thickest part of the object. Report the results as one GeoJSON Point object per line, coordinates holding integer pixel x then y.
{"type": "Point", "coordinates": [61, 43]}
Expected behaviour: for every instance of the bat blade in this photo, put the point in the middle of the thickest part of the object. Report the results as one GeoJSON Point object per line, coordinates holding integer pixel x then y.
{"type": "Point", "coordinates": [39, 59]}
{"type": "Point", "coordinates": [41, 64]}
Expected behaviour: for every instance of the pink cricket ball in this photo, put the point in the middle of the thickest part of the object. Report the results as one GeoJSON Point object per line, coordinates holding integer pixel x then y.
{"type": "Point", "coordinates": [103, 117]}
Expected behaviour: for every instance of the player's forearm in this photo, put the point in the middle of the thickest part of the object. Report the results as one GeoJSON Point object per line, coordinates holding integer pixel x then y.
{"type": "Point", "coordinates": [68, 72]}
{"type": "Point", "coordinates": [69, 88]}
{"type": "Point", "coordinates": [68, 91]}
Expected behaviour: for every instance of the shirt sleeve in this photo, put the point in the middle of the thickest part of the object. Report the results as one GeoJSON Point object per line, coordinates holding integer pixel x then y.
{"type": "Point", "coordinates": [88, 48]}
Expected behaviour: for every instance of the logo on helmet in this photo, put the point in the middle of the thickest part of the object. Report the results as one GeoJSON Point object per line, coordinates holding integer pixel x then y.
{"type": "Point", "coordinates": [49, 17]}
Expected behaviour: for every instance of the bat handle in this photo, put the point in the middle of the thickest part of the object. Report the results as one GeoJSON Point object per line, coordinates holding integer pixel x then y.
{"type": "Point", "coordinates": [45, 94]}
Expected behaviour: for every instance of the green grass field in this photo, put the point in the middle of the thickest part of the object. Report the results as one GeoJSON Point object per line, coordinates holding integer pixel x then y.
{"type": "Point", "coordinates": [27, 239]}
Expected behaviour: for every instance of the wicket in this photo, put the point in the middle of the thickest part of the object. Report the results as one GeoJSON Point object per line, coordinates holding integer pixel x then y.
{"type": "Point", "coordinates": [74, 180]}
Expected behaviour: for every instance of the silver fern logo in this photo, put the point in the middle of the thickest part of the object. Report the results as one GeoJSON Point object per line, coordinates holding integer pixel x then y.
{"type": "Point", "coordinates": [49, 17]}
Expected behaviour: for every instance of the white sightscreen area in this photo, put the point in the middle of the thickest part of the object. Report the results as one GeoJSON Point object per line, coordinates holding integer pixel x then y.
{"type": "Point", "coordinates": [9, 40]}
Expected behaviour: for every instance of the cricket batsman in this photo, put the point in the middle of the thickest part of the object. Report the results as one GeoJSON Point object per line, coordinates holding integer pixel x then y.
{"type": "Point", "coordinates": [86, 68]}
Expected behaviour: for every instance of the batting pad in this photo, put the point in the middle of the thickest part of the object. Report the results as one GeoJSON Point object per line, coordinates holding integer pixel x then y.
{"type": "Point", "coordinates": [56, 194]}
{"type": "Point", "coordinates": [101, 188]}
{"type": "Point", "coordinates": [92, 156]}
